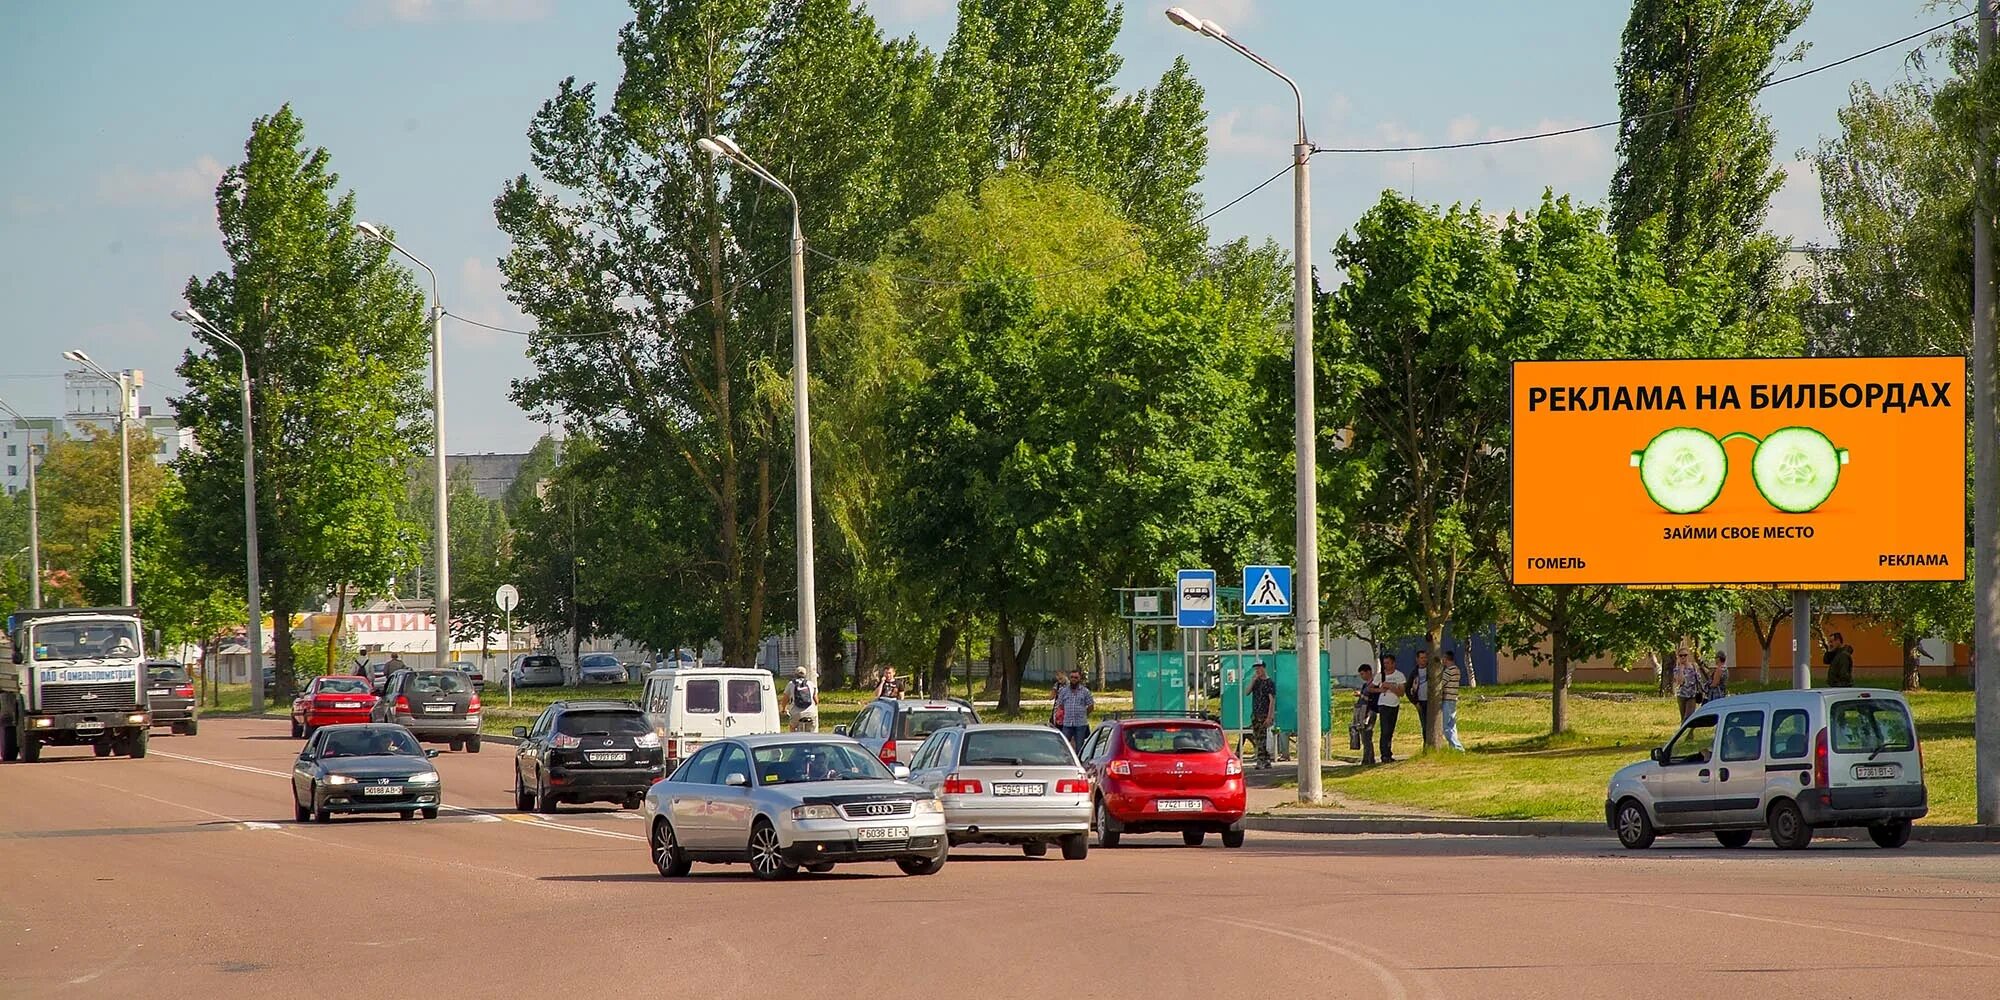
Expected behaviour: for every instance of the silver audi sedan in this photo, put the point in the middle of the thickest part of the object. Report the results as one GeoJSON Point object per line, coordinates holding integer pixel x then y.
{"type": "Point", "coordinates": [785, 802]}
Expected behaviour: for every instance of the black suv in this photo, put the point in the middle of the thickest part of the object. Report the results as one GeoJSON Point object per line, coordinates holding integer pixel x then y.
{"type": "Point", "coordinates": [170, 695]}
{"type": "Point", "coordinates": [586, 751]}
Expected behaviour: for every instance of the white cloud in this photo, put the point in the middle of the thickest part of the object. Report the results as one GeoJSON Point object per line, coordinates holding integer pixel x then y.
{"type": "Point", "coordinates": [428, 11]}
{"type": "Point", "coordinates": [478, 295]}
{"type": "Point", "coordinates": [1795, 209]}
{"type": "Point", "coordinates": [1231, 14]}
{"type": "Point", "coordinates": [911, 10]}
{"type": "Point", "coordinates": [127, 185]}
{"type": "Point", "coordinates": [1263, 132]}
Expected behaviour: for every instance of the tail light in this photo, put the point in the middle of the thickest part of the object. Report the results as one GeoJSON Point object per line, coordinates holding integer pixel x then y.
{"type": "Point", "coordinates": [1233, 767]}
{"type": "Point", "coordinates": [673, 747]}
{"type": "Point", "coordinates": [955, 785]}
{"type": "Point", "coordinates": [1072, 786]}
{"type": "Point", "coordinates": [562, 742]}
{"type": "Point", "coordinates": [473, 705]}
{"type": "Point", "coordinates": [888, 753]}
{"type": "Point", "coordinates": [1822, 773]}
{"type": "Point", "coordinates": [184, 691]}
{"type": "Point", "coordinates": [402, 704]}
{"type": "Point", "coordinates": [1121, 768]}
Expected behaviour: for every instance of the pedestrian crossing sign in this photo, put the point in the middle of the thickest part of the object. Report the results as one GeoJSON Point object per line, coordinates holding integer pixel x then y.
{"type": "Point", "coordinates": [1267, 590]}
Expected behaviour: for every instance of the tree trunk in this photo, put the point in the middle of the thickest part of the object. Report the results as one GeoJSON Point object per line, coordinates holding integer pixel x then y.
{"type": "Point", "coordinates": [1764, 662]}
{"type": "Point", "coordinates": [1013, 663]}
{"type": "Point", "coordinates": [864, 647]}
{"type": "Point", "coordinates": [1912, 653]}
{"type": "Point", "coordinates": [1097, 657]}
{"type": "Point", "coordinates": [339, 619]}
{"type": "Point", "coordinates": [1433, 724]}
{"type": "Point", "coordinates": [942, 655]}
{"type": "Point", "coordinates": [281, 650]}
{"type": "Point", "coordinates": [1559, 647]}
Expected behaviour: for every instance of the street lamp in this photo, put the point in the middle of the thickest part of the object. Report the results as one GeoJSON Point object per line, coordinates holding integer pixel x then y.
{"type": "Point", "coordinates": [440, 527]}
{"type": "Point", "coordinates": [34, 513]}
{"type": "Point", "coordinates": [1304, 434]}
{"type": "Point", "coordinates": [193, 317]}
{"type": "Point", "coordinates": [722, 147]}
{"type": "Point", "coordinates": [123, 380]}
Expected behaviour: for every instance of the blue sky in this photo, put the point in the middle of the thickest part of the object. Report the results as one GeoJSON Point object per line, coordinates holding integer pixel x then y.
{"type": "Point", "coordinates": [121, 116]}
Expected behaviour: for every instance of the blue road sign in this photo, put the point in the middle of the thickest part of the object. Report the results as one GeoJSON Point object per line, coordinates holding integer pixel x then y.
{"type": "Point", "coordinates": [1194, 598]}
{"type": "Point", "coordinates": [1267, 590]}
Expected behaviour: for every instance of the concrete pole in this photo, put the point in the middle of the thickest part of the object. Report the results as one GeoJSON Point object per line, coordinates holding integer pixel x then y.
{"type": "Point", "coordinates": [255, 589]}
{"type": "Point", "coordinates": [1306, 595]}
{"type": "Point", "coordinates": [1801, 639]}
{"type": "Point", "coordinates": [441, 523]}
{"type": "Point", "coordinates": [1986, 473]}
{"type": "Point", "coordinates": [124, 489]}
{"type": "Point", "coordinates": [802, 451]}
{"type": "Point", "coordinates": [34, 532]}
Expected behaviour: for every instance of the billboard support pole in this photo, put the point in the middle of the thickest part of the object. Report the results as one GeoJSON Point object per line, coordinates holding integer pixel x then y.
{"type": "Point", "coordinates": [1986, 473]}
{"type": "Point", "coordinates": [1801, 639]}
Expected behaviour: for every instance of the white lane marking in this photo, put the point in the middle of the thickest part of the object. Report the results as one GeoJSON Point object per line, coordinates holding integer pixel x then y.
{"type": "Point", "coordinates": [106, 967]}
{"type": "Point", "coordinates": [1392, 986]}
{"type": "Point", "coordinates": [258, 825]}
{"type": "Point", "coordinates": [1825, 927]}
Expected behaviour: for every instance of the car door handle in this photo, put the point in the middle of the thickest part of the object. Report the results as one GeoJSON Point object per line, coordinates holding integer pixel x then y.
{"type": "Point", "coordinates": [1725, 774]}
{"type": "Point", "coordinates": [1704, 774]}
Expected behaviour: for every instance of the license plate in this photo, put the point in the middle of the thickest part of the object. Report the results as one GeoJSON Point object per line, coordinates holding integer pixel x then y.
{"type": "Point", "coordinates": [347, 704]}
{"type": "Point", "coordinates": [1874, 770]}
{"type": "Point", "coordinates": [160, 691]}
{"type": "Point", "coordinates": [883, 833]}
{"type": "Point", "coordinates": [436, 709]}
{"type": "Point", "coordinates": [1179, 805]}
{"type": "Point", "coordinates": [84, 727]}
{"type": "Point", "coordinates": [382, 790]}
{"type": "Point", "coordinates": [605, 756]}
{"type": "Point", "coordinates": [1017, 788]}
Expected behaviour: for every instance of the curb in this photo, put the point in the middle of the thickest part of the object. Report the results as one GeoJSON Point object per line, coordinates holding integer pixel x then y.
{"type": "Point", "coordinates": [1410, 826]}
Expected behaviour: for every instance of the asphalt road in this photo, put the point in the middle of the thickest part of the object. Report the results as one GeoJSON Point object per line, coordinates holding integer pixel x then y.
{"type": "Point", "coordinates": [182, 875]}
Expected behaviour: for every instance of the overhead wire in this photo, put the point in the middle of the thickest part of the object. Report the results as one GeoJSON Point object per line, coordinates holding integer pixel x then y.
{"type": "Point", "coordinates": [1577, 129]}
{"type": "Point", "coordinates": [731, 290]}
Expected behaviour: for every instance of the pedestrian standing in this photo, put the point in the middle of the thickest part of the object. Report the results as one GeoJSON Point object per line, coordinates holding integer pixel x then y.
{"type": "Point", "coordinates": [1420, 693]}
{"type": "Point", "coordinates": [1073, 705]}
{"type": "Point", "coordinates": [1687, 682]}
{"type": "Point", "coordinates": [1839, 660]}
{"type": "Point", "coordinates": [802, 702]}
{"type": "Point", "coordinates": [889, 686]}
{"type": "Point", "coordinates": [1718, 677]}
{"type": "Point", "coordinates": [1361, 732]}
{"type": "Point", "coordinates": [1263, 711]}
{"type": "Point", "coordinates": [1448, 699]}
{"type": "Point", "coordinates": [1390, 687]}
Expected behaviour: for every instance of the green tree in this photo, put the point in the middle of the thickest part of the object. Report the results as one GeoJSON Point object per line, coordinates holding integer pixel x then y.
{"type": "Point", "coordinates": [78, 483]}
{"type": "Point", "coordinates": [337, 342]}
{"type": "Point", "coordinates": [1694, 153]}
{"type": "Point", "coordinates": [177, 595]}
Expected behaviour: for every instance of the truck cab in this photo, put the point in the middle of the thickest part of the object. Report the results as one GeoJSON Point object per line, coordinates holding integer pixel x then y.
{"type": "Point", "coordinates": [78, 678]}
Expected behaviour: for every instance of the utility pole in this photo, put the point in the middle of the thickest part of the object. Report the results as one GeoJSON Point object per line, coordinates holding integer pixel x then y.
{"type": "Point", "coordinates": [1986, 473]}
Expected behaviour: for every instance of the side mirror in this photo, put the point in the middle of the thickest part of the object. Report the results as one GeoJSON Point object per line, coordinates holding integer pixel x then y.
{"type": "Point", "coordinates": [902, 773]}
{"type": "Point", "coordinates": [431, 754]}
{"type": "Point", "coordinates": [1659, 755]}
{"type": "Point", "coordinates": [837, 730]}
{"type": "Point", "coordinates": [737, 779]}
{"type": "Point", "coordinates": [520, 732]}
{"type": "Point", "coordinates": [308, 754]}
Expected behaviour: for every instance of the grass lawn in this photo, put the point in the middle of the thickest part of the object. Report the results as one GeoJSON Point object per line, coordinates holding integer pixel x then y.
{"type": "Point", "coordinates": [1514, 769]}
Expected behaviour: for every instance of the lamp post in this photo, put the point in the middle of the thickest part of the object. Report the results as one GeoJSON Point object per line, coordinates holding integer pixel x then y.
{"type": "Point", "coordinates": [123, 380]}
{"type": "Point", "coordinates": [440, 527]}
{"type": "Point", "coordinates": [722, 147]}
{"type": "Point", "coordinates": [34, 513]}
{"type": "Point", "coordinates": [193, 317]}
{"type": "Point", "coordinates": [1306, 458]}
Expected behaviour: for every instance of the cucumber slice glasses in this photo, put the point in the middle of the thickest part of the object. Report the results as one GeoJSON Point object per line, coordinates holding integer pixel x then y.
{"type": "Point", "coordinates": [1683, 468]}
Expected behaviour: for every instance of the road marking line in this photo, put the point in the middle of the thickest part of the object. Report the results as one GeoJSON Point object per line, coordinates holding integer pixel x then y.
{"type": "Point", "coordinates": [1825, 927]}
{"type": "Point", "coordinates": [259, 825]}
{"type": "Point", "coordinates": [1392, 985]}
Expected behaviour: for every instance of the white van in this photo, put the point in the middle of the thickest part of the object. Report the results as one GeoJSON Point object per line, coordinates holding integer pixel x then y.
{"type": "Point", "coordinates": [1783, 761]}
{"type": "Point", "coordinates": [690, 706]}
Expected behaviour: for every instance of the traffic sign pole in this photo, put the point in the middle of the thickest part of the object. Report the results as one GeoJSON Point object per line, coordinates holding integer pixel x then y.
{"type": "Point", "coordinates": [505, 598]}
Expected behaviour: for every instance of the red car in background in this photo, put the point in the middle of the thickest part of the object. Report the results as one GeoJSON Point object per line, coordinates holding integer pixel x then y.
{"type": "Point", "coordinates": [330, 701]}
{"type": "Point", "coordinates": [1162, 774]}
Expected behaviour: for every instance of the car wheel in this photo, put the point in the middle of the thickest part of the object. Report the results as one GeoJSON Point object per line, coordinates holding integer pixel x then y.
{"type": "Point", "coordinates": [767, 858]}
{"type": "Point", "coordinates": [1789, 829]}
{"type": "Point", "coordinates": [523, 802]}
{"type": "Point", "coordinates": [1635, 828]}
{"type": "Point", "coordinates": [545, 800]}
{"type": "Point", "coordinates": [135, 747]}
{"type": "Point", "coordinates": [454, 745]}
{"type": "Point", "coordinates": [472, 744]}
{"type": "Point", "coordinates": [430, 812]}
{"type": "Point", "coordinates": [408, 814]}
{"type": "Point", "coordinates": [1732, 838]}
{"type": "Point", "coordinates": [1035, 850]}
{"type": "Point", "coordinates": [10, 748]}
{"type": "Point", "coordinates": [667, 854]}
{"type": "Point", "coordinates": [193, 727]}
{"type": "Point", "coordinates": [310, 730]}
{"type": "Point", "coordinates": [31, 748]}
{"type": "Point", "coordinates": [298, 731]}
{"type": "Point", "coordinates": [821, 868]}
{"type": "Point", "coordinates": [1076, 847]}
{"type": "Point", "coordinates": [300, 814]}
{"type": "Point", "coordinates": [320, 812]}
{"type": "Point", "coordinates": [1232, 838]}
{"type": "Point", "coordinates": [922, 866]}
{"type": "Point", "coordinates": [632, 801]}
{"type": "Point", "coordinates": [1892, 834]}
{"type": "Point", "coordinates": [100, 749]}
{"type": "Point", "coordinates": [1193, 838]}
{"type": "Point", "coordinates": [1107, 834]}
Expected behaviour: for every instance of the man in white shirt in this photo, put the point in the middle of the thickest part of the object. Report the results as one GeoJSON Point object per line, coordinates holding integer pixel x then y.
{"type": "Point", "coordinates": [802, 702]}
{"type": "Point", "coordinates": [1390, 685]}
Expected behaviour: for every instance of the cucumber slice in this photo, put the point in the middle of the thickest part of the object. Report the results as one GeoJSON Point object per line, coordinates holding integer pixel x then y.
{"type": "Point", "coordinates": [1682, 469]}
{"type": "Point", "coordinates": [1796, 468]}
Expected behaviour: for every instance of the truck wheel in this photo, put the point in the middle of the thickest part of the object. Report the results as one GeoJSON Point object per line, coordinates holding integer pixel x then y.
{"type": "Point", "coordinates": [136, 747]}
{"type": "Point", "coordinates": [31, 748]}
{"type": "Point", "coordinates": [100, 749]}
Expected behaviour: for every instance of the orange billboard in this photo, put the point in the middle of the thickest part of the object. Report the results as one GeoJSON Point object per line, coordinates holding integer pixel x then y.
{"type": "Point", "coordinates": [1758, 470]}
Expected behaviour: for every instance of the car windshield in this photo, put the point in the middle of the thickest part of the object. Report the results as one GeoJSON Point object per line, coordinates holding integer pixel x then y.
{"type": "Point", "coordinates": [167, 675]}
{"type": "Point", "coordinates": [610, 722]}
{"type": "Point", "coordinates": [343, 685]}
{"type": "Point", "coordinates": [1016, 748]}
{"type": "Point", "coordinates": [1870, 727]}
{"type": "Point", "coordinates": [371, 743]}
{"type": "Point", "coordinates": [921, 722]}
{"type": "Point", "coordinates": [442, 682]}
{"type": "Point", "coordinates": [797, 763]}
{"type": "Point", "coordinates": [86, 640]}
{"type": "Point", "coordinates": [1174, 737]}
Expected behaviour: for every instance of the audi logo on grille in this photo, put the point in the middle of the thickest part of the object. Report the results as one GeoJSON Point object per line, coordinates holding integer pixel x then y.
{"type": "Point", "coordinates": [878, 809]}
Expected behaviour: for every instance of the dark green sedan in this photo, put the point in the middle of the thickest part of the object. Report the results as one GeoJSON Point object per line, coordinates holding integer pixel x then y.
{"type": "Point", "coordinates": [364, 768]}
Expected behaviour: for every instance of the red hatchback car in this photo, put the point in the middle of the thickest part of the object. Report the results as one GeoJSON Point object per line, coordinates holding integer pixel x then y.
{"type": "Point", "coordinates": [331, 701]}
{"type": "Point", "coordinates": [1158, 775]}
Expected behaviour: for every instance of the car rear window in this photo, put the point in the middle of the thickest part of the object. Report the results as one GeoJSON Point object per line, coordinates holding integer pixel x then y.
{"type": "Point", "coordinates": [746, 697]}
{"type": "Point", "coordinates": [921, 722]}
{"type": "Point", "coordinates": [1174, 737]}
{"type": "Point", "coordinates": [609, 722]}
{"type": "Point", "coordinates": [443, 682]}
{"type": "Point", "coordinates": [343, 685]}
{"type": "Point", "coordinates": [167, 675]}
{"type": "Point", "coordinates": [703, 696]}
{"type": "Point", "coordinates": [600, 660]}
{"type": "Point", "coordinates": [1016, 748]}
{"type": "Point", "coordinates": [539, 661]}
{"type": "Point", "coordinates": [1866, 726]}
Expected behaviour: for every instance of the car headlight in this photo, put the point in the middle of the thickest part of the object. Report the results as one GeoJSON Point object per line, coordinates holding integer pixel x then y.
{"type": "Point", "coordinates": [927, 806]}
{"type": "Point", "coordinates": [339, 779]}
{"type": "Point", "coordinates": [814, 812]}
{"type": "Point", "coordinates": [426, 778]}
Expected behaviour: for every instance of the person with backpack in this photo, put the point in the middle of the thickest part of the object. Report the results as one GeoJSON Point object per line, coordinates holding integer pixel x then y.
{"type": "Point", "coordinates": [802, 702]}
{"type": "Point", "coordinates": [1839, 660]}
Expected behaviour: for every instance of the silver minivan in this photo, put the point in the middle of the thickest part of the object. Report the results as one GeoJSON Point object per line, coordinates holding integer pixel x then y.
{"type": "Point", "coordinates": [1789, 762]}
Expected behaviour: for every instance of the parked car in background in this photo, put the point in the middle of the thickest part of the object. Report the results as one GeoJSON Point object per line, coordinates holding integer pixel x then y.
{"type": "Point", "coordinates": [336, 699]}
{"type": "Point", "coordinates": [436, 706]}
{"type": "Point", "coordinates": [893, 728]}
{"type": "Point", "coordinates": [1787, 762]}
{"type": "Point", "coordinates": [791, 801]}
{"type": "Point", "coordinates": [170, 696]}
{"type": "Point", "coordinates": [537, 670]}
{"type": "Point", "coordinates": [690, 707]}
{"type": "Point", "coordinates": [1008, 784]}
{"type": "Point", "coordinates": [364, 768]}
{"type": "Point", "coordinates": [600, 668]}
{"type": "Point", "coordinates": [1161, 775]}
{"type": "Point", "coordinates": [585, 751]}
